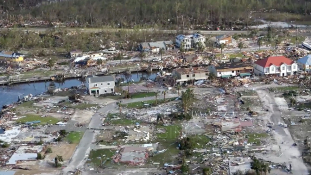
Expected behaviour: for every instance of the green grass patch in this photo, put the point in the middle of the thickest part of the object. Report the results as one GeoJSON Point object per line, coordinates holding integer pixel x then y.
{"type": "Point", "coordinates": [172, 132]}
{"type": "Point", "coordinates": [38, 73]}
{"type": "Point", "coordinates": [200, 141]}
{"type": "Point", "coordinates": [248, 102]}
{"type": "Point", "coordinates": [143, 94]}
{"type": "Point", "coordinates": [83, 106]}
{"type": "Point", "coordinates": [104, 154]}
{"type": "Point", "coordinates": [236, 55]}
{"type": "Point", "coordinates": [300, 39]}
{"type": "Point", "coordinates": [256, 137]}
{"type": "Point", "coordinates": [302, 106]}
{"type": "Point", "coordinates": [33, 117]}
{"type": "Point", "coordinates": [140, 104]}
{"type": "Point", "coordinates": [285, 88]}
{"type": "Point", "coordinates": [248, 93]}
{"type": "Point", "coordinates": [169, 156]}
{"type": "Point", "coordinates": [74, 137]}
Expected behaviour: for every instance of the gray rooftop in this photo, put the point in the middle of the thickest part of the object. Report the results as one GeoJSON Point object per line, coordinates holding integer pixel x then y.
{"type": "Point", "coordinates": [100, 79]}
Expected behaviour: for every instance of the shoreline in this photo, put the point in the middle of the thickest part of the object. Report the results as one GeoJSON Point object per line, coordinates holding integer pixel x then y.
{"type": "Point", "coordinates": [70, 77]}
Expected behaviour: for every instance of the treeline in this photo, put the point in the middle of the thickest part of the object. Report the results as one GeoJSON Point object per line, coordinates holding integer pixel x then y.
{"type": "Point", "coordinates": [58, 41]}
{"type": "Point", "coordinates": [164, 13]}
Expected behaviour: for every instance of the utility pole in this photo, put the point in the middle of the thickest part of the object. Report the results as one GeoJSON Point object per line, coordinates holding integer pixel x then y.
{"type": "Point", "coordinates": [296, 35]}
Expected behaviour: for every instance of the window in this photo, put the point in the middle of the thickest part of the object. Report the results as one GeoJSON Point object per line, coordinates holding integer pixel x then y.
{"type": "Point", "coordinates": [111, 90]}
{"type": "Point", "coordinates": [193, 75]}
{"type": "Point", "coordinates": [95, 85]}
{"type": "Point", "coordinates": [187, 75]}
{"type": "Point", "coordinates": [272, 69]}
{"type": "Point", "coordinates": [105, 91]}
{"type": "Point", "coordinates": [108, 83]}
{"type": "Point", "coordinates": [101, 83]}
{"type": "Point", "coordinates": [206, 74]}
{"type": "Point", "coordinates": [294, 66]}
{"type": "Point", "coordinates": [233, 71]}
{"type": "Point", "coordinates": [238, 71]}
{"type": "Point", "coordinates": [283, 68]}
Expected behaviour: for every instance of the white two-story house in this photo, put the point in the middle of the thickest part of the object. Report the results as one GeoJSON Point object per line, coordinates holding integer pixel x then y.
{"type": "Point", "coordinates": [100, 85]}
{"type": "Point", "coordinates": [183, 39]}
{"type": "Point", "coordinates": [275, 65]}
{"type": "Point", "coordinates": [189, 41]}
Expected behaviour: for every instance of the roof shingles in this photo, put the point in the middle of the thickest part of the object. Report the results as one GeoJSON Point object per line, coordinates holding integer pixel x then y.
{"type": "Point", "coordinates": [274, 60]}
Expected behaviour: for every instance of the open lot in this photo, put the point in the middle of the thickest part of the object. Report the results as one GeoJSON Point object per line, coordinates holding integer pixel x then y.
{"type": "Point", "coordinates": [33, 117]}
{"type": "Point", "coordinates": [74, 137]}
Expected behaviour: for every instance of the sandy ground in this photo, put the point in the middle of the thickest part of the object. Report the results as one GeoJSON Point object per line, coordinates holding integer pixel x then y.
{"type": "Point", "coordinates": [82, 116]}
{"type": "Point", "coordinates": [37, 172]}
{"type": "Point", "coordinates": [65, 150]}
{"type": "Point", "coordinates": [282, 151]}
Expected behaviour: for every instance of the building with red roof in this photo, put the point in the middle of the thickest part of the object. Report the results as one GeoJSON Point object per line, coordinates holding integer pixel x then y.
{"type": "Point", "coordinates": [275, 65]}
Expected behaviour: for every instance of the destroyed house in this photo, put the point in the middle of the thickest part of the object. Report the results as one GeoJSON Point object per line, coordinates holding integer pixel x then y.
{"type": "Point", "coordinates": [11, 56]}
{"type": "Point", "coordinates": [76, 53]}
{"type": "Point", "coordinates": [183, 75]}
{"type": "Point", "coordinates": [232, 69]}
{"type": "Point", "coordinates": [275, 65]}
{"type": "Point", "coordinates": [100, 85]}
{"type": "Point", "coordinates": [155, 46]}
{"type": "Point", "coordinates": [223, 39]}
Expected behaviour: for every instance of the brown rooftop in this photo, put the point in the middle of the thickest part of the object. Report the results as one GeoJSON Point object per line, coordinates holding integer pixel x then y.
{"type": "Point", "coordinates": [233, 65]}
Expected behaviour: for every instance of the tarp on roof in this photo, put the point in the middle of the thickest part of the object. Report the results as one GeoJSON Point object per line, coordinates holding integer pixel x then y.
{"type": "Point", "coordinates": [305, 60]}
{"type": "Point", "coordinates": [225, 76]}
{"type": "Point", "coordinates": [245, 74]}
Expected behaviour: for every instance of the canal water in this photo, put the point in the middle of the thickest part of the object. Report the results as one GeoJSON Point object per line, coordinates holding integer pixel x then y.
{"type": "Point", "coordinates": [9, 94]}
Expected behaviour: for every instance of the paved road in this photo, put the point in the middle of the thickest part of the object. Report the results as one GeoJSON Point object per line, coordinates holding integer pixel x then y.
{"type": "Point", "coordinates": [83, 149]}
{"type": "Point", "coordinates": [205, 32]}
{"type": "Point", "coordinates": [288, 153]}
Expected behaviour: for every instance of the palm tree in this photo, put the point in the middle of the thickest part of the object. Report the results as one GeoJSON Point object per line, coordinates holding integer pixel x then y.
{"type": "Point", "coordinates": [182, 47]}
{"type": "Point", "coordinates": [277, 42]}
{"type": "Point", "coordinates": [164, 94]}
{"type": "Point", "coordinates": [142, 55]}
{"type": "Point", "coordinates": [156, 97]}
{"type": "Point", "coordinates": [161, 52]}
{"type": "Point", "coordinates": [259, 42]}
{"type": "Point", "coordinates": [187, 98]}
{"type": "Point", "coordinates": [127, 76]}
{"type": "Point", "coordinates": [178, 89]}
{"type": "Point", "coordinates": [50, 63]}
{"type": "Point", "coordinates": [120, 105]}
{"type": "Point", "coordinates": [240, 46]}
{"type": "Point", "coordinates": [99, 62]}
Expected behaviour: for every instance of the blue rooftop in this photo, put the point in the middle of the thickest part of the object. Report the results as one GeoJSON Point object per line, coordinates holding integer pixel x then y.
{"type": "Point", "coordinates": [305, 60]}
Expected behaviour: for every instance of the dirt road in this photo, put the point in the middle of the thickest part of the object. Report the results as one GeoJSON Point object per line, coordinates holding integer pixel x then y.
{"type": "Point", "coordinates": [283, 151]}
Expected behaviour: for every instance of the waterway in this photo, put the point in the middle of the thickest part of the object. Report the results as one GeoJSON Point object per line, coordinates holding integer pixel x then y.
{"type": "Point", "coordinates": [9, 94]}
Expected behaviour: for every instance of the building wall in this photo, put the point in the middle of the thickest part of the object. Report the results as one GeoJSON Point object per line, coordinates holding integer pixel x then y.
{"type": "Point", "coordinates": [93, 55]}
{"type": "Point", "coordinates": [303, 67]}
{"type": "Point", "coordinates": [190, 76]}
{"type": "Point", "coordinates": [231, 73]}
{"type": "Point", "coordinates": [104, 87]}
{"type": "Point", "coordinates": [283, 70]}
